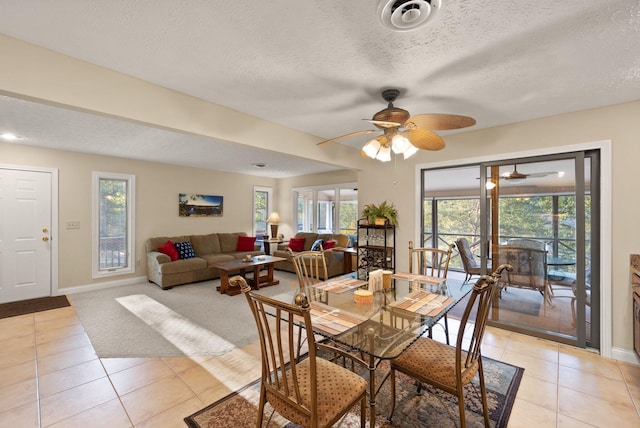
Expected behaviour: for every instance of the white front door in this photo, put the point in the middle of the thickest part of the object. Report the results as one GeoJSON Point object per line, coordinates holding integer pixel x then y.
{"type": "Point", "coordinates": [25, 234]}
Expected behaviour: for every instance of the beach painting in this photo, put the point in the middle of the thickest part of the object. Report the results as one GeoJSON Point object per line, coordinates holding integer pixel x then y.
{"type": "Point", "coordinates": [193, 205]}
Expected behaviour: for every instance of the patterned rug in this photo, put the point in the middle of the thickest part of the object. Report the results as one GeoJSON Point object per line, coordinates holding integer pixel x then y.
{"type": "Point", "coordinates": [30, 306]}
{"type": "Point", "coordinates": [433, 408]}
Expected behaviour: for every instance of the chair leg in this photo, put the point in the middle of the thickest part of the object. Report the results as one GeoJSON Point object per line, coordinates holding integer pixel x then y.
{"type": "Point", "coordinates": [363, 411]}
{"type": "Point", "coordinates": [393, 394]}
{"type": "Point", "coordinates": [463, 416]}
{"type": "Point", "coordinates": [263, 399]}
{"type": "Point", "coordinates": [483, 391]}
{"type": "Point", "coordinates": [446, 328]}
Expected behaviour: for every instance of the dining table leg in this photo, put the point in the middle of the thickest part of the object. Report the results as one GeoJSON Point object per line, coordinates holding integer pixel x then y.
{"type": "Point", "coordinates": [372, 379]}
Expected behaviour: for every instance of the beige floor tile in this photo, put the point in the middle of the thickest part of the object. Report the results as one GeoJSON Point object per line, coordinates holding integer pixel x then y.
{"type": "Point", "coordinates": [9, 358]}
{"type": "Point", "coordinates": [25, 416]}
{"type": "Point", "coordinates": [71, 402]}
{"type": "Point", "coordinates": [18, 394]}
{"type": "Point", "coordinates": [527, 414]}
{"type": "Point", "coordinates": [70, 377]}
{"type": "Point", "coordinates": [55, 362]}
{"type": "Point", "coordinates": [182, 364]}
{"type": "Point", "coordinates": [539, 392]}
{"type": "Point", "coordinates": [534, 366]}
{"type": "Point", "coordinates": [16, 327]}
{"type": "Point", "coordinates": [496, 338]}
{"type": "Point", "coordinates": [18, 373]}
{"type": "Point", "coordinates": [596, 411]}
{"type": "Point", "coordinates": [590, 362]}
{"type": "Point", "coordinates": [114, 365]}
{"type": "Point", "coordinates": [54, 314]}
{"type": "Point", "coordinates": [199, 379]}
{"type": "Point", "coordinates": [107, 415]}
{"type": "Point", "coordinates": [492, 351]}
{"type": "Point", "coordinates": [49, 335]}
{"type": "Point", "coordinates": [173, 417]}
{"type": "Point", "coordinates": [140, 375]}
{"type": "Point", "coordinates": [64, 344]}
{"type": "Point", "coordinates": [54, 323]}
{"type": "Point", "coordinates": [597, 386]}
{"type": "Point", "coordinates": [565, 421]}
{"type": "Point", "coordinates": [541, 349]}
{"type": "Point", "coordinates": [151, 400]}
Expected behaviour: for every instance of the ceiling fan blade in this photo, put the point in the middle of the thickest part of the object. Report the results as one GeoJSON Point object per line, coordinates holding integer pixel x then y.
{"type": "Point", "coordinates": [353, 134]}
{"type": "Point", "coordinates": [383, 123]}
{"type": "Point", "coordinates": [542, 174]}
{"type": "Point", "coordinates": [424, 140]}
{"type": "Point", "coordinates": [439, 122]}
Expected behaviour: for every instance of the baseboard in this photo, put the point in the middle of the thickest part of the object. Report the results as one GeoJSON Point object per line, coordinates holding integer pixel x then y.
{"type": "Point", "coordinates": [101, 285]}
{"type": "Point", "coordinates": [625, 355]}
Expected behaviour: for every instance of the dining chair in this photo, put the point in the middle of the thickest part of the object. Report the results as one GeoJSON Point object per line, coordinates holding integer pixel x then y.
{"type": "Point", "coordinates": [311, 267]}
{"type": "Point", "coordinates": [450, 368]}
{"type": "Point", "coordinates": [432, 262]}
{"type": "Point", "coordinates": [469, 263]}
{"type": "Point", "coordinates": [312, 391]}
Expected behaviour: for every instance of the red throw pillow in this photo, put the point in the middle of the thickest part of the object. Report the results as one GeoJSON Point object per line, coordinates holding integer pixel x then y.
{"type": "Point", "coordinates": [170, 250]}
{"type": "Point", "coordinates": [329, 244]}
{"type": "Point", "coordinates": [246, 243]}
{"type": "Point", "coordinates": [296, 244]}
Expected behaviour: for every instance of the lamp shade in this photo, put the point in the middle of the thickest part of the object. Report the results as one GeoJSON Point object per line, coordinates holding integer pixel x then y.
{"type": "Point", "coordinates": [274, 217]}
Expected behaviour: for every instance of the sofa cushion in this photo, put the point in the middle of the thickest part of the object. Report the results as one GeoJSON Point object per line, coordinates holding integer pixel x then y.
{"type": "Point", "coordinates": [185, 250]}
{"type": "Point", "coordinates": [205, 244]}
{"type": "Point", "coordinates": [317, 245]}
{"type": "Point", "coordinates": [184, 265]}
{"type": "Point", "coordinates": [229, 241]}
{"type": "Point", "coordinates": [246, 243]}
{"type": "Point", "coordinates": [170, 250]}
{"type": "Point", "coordinates": [296, 244]}
{"type": "Point", "coordinates": [329, 243]}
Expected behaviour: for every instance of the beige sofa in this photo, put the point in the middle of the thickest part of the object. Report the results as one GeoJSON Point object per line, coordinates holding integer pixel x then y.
{"type": "Point", "coordinates": [334, 259]}
{"type": "Point", "coordinates": [209, 249]}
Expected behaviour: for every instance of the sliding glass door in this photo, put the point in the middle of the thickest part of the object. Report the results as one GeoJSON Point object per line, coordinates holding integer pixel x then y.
{"type": "Point", "coordinates": [538, 215]}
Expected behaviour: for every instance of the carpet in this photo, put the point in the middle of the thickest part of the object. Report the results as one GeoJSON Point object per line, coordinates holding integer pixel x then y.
{"type": "Point", "coordinates": [142, 320]}
{"type": "Point", "coordinates": [433, 408]}
{"type": "Point", "coordinates": [30, 306]}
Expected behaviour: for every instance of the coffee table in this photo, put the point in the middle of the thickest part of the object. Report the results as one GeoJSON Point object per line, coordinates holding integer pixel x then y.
{"type": "Point", "coordinates": [241, 266]}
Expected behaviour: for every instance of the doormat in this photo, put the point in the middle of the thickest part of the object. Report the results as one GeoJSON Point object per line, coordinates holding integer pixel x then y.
{"type": "Point", "coordinates": [30, 306]}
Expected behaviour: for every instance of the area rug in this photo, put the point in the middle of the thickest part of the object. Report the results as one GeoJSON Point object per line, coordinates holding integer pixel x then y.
{"type": "Point", "coordinates": [30, 306]}
{"type": "Point", "coordinates": [433, 408]}
{"type": "Point", "coordinates": [142, 320]}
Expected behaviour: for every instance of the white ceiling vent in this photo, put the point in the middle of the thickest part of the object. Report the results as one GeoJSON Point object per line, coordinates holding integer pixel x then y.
{"type": "Point", "coordinates": [407, 15]}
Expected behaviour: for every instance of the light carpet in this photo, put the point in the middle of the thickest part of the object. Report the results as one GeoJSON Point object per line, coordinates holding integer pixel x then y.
{"type": "Point", "coordinates": [434, 408]}
{"type": "Point", "coordinates": [142, 320]}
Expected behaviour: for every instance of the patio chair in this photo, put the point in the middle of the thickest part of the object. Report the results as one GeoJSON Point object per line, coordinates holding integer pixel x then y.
{"type": "Point", "coordinates": [431, 262]}
{"type": "Point", "coordinates": [469, 263]}
{"type": "Point", "coordinates": [529, 270]}
{"type": "Point", "coordinates": [450, 368]}
{"type": "Point", "coordinates": [311, 392]}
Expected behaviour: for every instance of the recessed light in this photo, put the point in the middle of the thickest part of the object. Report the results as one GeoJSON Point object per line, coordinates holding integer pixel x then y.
{"type": "Point", "coordinates": [259, 165]}
{"type": "Point", "coordinates": [10, 136]}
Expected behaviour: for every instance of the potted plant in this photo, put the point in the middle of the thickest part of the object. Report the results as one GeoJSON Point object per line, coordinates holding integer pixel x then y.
{"type": "Point", "coordinates": [376, 214]}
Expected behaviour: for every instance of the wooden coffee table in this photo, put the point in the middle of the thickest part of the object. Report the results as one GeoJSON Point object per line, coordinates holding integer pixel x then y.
{"type": "Point", "coordinates": [241, 267]}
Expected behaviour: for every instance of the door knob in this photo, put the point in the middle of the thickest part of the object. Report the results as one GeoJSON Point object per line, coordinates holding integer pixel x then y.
{"type": "Point", "coordinates": [45, 238]}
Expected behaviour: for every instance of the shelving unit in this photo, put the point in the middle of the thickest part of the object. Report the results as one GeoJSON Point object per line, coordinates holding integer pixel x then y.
{"type": "Point", "coordinates": [376, 247]}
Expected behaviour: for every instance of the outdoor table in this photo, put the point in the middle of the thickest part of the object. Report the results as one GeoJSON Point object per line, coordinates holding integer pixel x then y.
{"type": "Point", "coordinates": [384, 328]}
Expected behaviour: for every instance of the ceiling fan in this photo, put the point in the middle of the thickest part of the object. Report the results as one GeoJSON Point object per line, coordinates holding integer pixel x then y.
{"type": "Point", "coordinates": [516, 175]}
{"type": "Point", "coordinates": [404, 133]}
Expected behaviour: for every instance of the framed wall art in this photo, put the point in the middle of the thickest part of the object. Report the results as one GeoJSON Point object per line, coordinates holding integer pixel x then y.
{"type": "Point", "coordinates": [194, 205]}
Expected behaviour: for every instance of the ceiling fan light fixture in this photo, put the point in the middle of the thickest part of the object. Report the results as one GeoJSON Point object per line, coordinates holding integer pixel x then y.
{"type": "Point", "coordinates": [410, 151]}
{"type": "Point", "coordinates": [372, 148]}
{"type": "Point", "coordinates": [407, 15]}
{"type": "Point", "coordinates": [384, 154]}
{"type": "Point", "coordinates": [399, 144]}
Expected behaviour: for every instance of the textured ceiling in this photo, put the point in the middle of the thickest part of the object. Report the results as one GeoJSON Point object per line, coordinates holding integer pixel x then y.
{"type": "Point", "coordinates": [319, 67]}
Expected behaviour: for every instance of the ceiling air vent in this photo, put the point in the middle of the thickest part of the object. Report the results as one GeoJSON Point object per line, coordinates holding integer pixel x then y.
{"type": "Point", "coordinates": [407, 15]}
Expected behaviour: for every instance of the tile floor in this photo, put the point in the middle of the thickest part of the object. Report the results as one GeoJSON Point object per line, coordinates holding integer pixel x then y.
{"type": "Point", "coordinates": [51, 377]}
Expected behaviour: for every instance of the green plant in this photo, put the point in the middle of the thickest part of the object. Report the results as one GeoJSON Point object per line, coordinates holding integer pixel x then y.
{"type": "Point", "coordinates": [384, 210]}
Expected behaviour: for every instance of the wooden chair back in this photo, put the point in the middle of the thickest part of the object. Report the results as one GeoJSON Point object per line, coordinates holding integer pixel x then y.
{"type": "Point", "coordinates": [429, 261]}
{"type": "Point", "coordinates": [311, 267]}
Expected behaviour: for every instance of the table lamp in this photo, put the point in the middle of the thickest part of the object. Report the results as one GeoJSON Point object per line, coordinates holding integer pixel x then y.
{"type": "Point", "coordinates": [274, 219]}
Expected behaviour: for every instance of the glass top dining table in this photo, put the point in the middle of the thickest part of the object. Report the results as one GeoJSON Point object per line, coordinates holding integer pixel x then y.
{"type": "Point", "coordinates": [382, 324]}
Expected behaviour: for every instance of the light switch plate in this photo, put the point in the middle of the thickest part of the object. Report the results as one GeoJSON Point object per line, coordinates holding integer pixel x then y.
{"type": "Point", "coordinates": [73, 225]}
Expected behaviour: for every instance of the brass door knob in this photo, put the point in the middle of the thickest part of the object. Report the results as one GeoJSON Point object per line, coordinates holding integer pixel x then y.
{"type": "Point", "coordinates": [45, 238]}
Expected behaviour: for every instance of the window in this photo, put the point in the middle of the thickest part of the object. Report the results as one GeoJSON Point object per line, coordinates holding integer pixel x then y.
{"type": "Point", "coordinates": [336, 209]}
{"type": "Point", "coordinates": [262, 207]}
{"type": "Point", "coordinates": [113, 224]}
